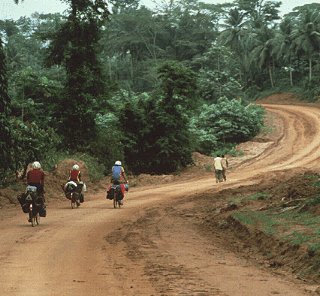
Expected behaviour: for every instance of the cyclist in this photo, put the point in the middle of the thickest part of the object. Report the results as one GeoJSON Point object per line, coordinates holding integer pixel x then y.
{"type": "Point", "coordinates": [35, 177]}
{"type": "Point", "coordinates": [75, 174]}
{"type": "Point", "coordinates": [118, 177]}
{"type": "Point", "coordinates": [118, 173]}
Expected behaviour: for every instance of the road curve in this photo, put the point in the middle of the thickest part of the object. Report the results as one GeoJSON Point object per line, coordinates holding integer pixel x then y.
{"type": "Point", "coordinates": [144, 248]}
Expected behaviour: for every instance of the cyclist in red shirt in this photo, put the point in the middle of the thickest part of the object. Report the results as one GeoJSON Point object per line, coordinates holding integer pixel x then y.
{"type": "Point", "coordinates": [75, 174]}
{"type": "Point", "coordinates": [35, 177]}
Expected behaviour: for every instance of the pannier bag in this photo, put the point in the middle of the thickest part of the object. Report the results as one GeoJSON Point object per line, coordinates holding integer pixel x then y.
{"type": "Point", "coordinates": [119, 192]}
{"type": "Point", "coordinates": [24, 199]}
{"type": "Point", "coordinates": [43, 211]}
{"type": "Point", "coordinates": [39, 201]}
{"type": "Point", "coordinates": [25, 208]}
{"type": "Point", "coordinates": [110, 193]}
{"type": "Point", "coordinates": [31, 188]}
{"type": "Point", "coordinates": [70, 187]}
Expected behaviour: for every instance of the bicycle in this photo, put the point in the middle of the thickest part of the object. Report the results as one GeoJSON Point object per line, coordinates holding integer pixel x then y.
{"type": "Point", "coordinates": [75, 196]}
{"type": "Point", "coordinates": [73, 192]}
{"type": "Point", "coordinates": [36, 204]}
{"type": "Point", "coordinates": [34, 216]}
{"type": "Point", "coordinates": [115, 194]}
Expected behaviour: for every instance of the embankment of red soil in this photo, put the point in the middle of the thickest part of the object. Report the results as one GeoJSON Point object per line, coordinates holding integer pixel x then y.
{"type": "Point", "coordinates": [215, 214]}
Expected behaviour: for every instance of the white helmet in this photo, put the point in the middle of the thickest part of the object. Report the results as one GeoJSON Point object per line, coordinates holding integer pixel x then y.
{"type": "Point", "coordinates": [118, 162]}
{"type": "Point", "coordinates": [75, 167]}
{"type": "Point", "coordinates": [36, 165]}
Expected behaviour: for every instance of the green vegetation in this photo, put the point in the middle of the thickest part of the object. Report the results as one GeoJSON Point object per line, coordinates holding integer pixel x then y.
{"type": "Point", "coordinates": [260, 220]}
{"type": "Point", "coordinates": [254, 197]}
{"type": "Point", "coordinates": [297, 225]}
{"type": "Point", "coordinates": [299, 228]}
{"type": "Point", "coordinates": [148, 87]}
{"type": "Point", "coordinates": [225, 123]}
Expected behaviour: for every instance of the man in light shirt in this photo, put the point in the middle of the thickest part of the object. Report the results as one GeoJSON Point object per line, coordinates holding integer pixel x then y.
{"type": "Point", "coordinates": [225, 164]}
{"type": "Point", "coordinates": [218, 168]}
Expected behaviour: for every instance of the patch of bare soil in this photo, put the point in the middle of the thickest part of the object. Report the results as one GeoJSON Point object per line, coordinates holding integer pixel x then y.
{"type": "Point", "coordinates": [281, 98]}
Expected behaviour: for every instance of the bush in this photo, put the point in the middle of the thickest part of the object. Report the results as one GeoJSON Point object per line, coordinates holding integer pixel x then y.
{"type": "Point", "coordinates": [108, 143]}
{"type": "Point", "coordinates": [96, 169]}
{"type": "Point", "coordinates": [156, 129]}
{"type": "Point", "coordinates": [31, 142]}
{"type": "Point", "coordinates": [227, 122]}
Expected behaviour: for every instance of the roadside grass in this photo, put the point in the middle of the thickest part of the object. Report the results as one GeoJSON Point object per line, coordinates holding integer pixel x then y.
{"type": "Point", "coordinates": [294, 227]}
{"type": "Point", "coordinates": [314, 179]}
{"type": "Point", "coordinates": [259, 220]}
{"type": "Point", "coordinates": [288, 214]}
{"type": "Point", "coordinates": [251, 197]}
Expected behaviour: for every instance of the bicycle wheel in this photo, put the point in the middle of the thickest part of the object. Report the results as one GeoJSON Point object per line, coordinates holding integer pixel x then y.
{"type": "Point", "coordinates": [74, 203]}
{"type": "Point", "coordinates": [33, 221]}
{"type": "Point", "coordinates": [114, 201]}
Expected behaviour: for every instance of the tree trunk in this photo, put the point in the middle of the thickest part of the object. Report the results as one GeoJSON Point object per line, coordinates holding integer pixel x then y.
{"type": "Point", "coordinates": [270, 75]}
{"type": "Point", "coordinates": [310, 69]}
{"type": "Point", "coordinates": [291, 80]}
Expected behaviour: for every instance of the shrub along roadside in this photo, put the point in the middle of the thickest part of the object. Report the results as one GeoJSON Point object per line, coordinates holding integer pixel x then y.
{"type": "Point", "coordinates": [96, 169]}
{"type": "Point", "coordinates": [226, 123]}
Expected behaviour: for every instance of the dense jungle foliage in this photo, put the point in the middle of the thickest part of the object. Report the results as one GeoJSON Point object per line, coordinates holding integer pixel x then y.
{"type": "Point", "coordinates": [116, 80]}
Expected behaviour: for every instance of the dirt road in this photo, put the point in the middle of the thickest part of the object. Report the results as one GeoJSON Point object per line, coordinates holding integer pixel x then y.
{"type": "Point", "coordinates": [146, 248]}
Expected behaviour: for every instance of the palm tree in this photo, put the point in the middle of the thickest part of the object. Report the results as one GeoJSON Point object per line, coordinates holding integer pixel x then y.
{"type": "Point", "coordinates": [306, 36]}
{"type": "Point", "coordinates": [234, 30]}
{"type": "Point", "coordinates": [283, 45]}
{"type": "Point", "coordinates": [263, 52]}
{"type": "Point", "coordinates": [234, 34]}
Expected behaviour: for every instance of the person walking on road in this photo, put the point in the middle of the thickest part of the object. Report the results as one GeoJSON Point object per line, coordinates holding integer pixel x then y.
{"type": "Point", "coordinates": [225, 165]}
{"type": "Point", "coordinates": [218, 168]}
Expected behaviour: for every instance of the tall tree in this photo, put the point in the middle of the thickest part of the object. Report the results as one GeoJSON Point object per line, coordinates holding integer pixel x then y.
{"type": "Point", "coordinates": [264, 51]}
{"type": "Point", "coordinates": [5, 137]}
{"type": "Point", "coordinates": [282, 46]}
{"type": "Point", "coordinates": [259, 12]}
{"type": "Point", "coordinates": [306, 35]}
{"type": "Point", "coordinates": [75, 46]}
{"type": "Point", "coordinates": [170, 120]}
{"type": "Point", "coordinates": [234, 35]}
